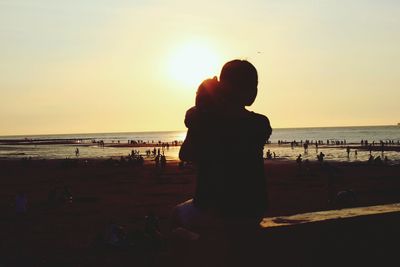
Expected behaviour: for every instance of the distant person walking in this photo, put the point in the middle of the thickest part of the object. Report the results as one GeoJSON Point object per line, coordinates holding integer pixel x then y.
{"type": "Point", "coordinates": [305, 148]}
{"type": "Point", "coordinates": [320, 157]}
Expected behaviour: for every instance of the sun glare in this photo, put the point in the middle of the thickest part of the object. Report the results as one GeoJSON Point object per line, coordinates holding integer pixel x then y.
{"type": "Point", "coordinates": [193, 62]}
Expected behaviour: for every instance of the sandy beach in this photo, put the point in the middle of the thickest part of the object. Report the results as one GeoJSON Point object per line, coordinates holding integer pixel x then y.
{"type": "Point", "coordinates": [72, 233]}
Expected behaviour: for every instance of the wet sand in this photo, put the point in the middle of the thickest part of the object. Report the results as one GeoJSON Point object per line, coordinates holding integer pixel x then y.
{"type": "Point", "coordinates": [67, 234]}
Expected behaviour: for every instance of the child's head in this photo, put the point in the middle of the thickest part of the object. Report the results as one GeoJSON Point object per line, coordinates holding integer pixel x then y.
{"type": "Point", "coordinates": [239, 82]}
{"type": "Point", "coordinates": [207, 94]}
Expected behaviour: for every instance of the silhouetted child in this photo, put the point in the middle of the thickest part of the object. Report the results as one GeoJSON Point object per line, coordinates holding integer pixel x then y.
{"type": "Point", "coordinates": [207, 101]}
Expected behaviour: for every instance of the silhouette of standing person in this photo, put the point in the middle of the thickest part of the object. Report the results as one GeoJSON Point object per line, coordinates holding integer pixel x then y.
{"type": "Point", "coordinates": [232, 187]}
{"type": "Point", "coordinates": [299, 160]}
{"type": "Point", "coordinates": [305, 148]}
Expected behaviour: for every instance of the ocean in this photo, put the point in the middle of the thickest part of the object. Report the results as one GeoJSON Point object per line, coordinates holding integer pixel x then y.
{"type": "Point", "coordinates": [352, 136]}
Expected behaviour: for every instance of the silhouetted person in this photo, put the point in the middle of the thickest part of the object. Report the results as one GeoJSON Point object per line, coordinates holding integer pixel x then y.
{"type": "Point", "coordinates": [299, 160]}
{"type": "Point", "coordinates": [157, 161]}
{"type": "Point", "coordinates": [163, 161]}
{"type": "Point", "coordinates": [321, 156]}
{"type": "Point", "coordinates": [370, 159]}
{"type": "Point", "coordinates": [231, 186]}
{"type": "Point", "coordinates": [269, 155]}
{"type": "Point", "coordinates": [305, 148]}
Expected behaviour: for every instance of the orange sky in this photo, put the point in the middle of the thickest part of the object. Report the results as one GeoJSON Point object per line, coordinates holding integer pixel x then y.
{"type": "Point", "coordinates": [115, 66]}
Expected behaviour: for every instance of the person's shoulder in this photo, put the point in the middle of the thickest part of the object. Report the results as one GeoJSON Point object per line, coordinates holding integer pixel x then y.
{"type": "Point", "coordinates": [195, 116]}
{"type": "Point", "coordinates": [259, 118]}
{"type": "Point", "coordinates": [262, 123]}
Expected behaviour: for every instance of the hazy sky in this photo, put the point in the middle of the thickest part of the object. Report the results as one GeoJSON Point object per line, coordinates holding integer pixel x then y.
{"type": "Point", "coordinates": [113, 65]}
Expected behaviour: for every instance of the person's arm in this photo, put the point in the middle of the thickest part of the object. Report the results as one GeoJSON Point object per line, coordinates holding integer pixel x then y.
{"type": "Point", "coordinates": [268, 129]}
{"type": "Point", "coordinates": [264, 129]}
{"type": "Point", "coordinates": [187, 151]}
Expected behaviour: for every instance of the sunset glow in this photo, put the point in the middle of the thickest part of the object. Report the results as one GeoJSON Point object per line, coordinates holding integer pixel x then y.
{"type": "Point", "coordinates": [192, 62]}
{"type": "Point", "coordinates": [120, 66]}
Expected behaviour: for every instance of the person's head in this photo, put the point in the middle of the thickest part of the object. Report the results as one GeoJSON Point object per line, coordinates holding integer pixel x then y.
{"type": "Point", "coordinates": [207, 94]}
{"type": "Point", "coordinates": [239, 82]}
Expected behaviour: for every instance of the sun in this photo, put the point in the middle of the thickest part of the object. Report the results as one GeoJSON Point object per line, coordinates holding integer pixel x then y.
{"type": "Point", "coordinates": [192, 62]}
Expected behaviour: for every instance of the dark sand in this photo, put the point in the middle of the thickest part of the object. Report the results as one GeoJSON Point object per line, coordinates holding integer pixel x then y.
{"type": "Point", "coordinates": [65, 234]}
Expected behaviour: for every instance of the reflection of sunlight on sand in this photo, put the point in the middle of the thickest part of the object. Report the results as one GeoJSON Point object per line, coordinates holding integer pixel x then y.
{"type": "Point", "coordinates": [328, 215]}
{"type": "Point", "coordinates": [94, 151]}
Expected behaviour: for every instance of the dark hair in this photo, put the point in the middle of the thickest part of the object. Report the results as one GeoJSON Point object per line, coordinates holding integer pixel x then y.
{"type": "Point", "coordinates": [207, 96]}
{"type": "Point", "coordinates": [239, 81]}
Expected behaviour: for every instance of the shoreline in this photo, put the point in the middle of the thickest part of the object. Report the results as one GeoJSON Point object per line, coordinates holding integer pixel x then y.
{"type": "Point", "coordinates": [174, 160]}
{"type": "Point", "coordinates": [81, 142]}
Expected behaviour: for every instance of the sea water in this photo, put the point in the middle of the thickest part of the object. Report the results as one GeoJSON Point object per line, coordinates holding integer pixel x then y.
{"type": "Point", "coordinates": [87, 149]}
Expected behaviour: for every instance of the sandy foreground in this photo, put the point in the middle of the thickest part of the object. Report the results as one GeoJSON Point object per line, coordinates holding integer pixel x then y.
{"type": "Point", "coordinates": [73, 234]}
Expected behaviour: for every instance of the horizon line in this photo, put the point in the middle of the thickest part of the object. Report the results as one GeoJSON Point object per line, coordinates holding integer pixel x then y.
{"type": "Point", "coordinates": [124, 132]}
